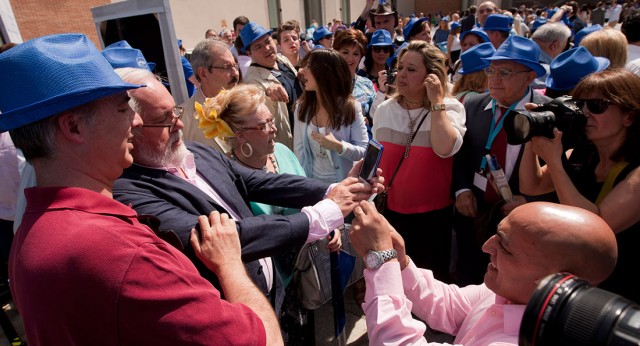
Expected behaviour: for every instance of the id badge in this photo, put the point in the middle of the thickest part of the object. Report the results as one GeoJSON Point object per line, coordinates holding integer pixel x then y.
{"type": "Point", "coordinates": [480, 181]}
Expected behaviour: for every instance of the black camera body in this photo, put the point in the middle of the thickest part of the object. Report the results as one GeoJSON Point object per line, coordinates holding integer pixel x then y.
{"type": "Point", "coordinates": [566, 310]}
{"type": "Point", "coordinates": [561, 113]}
{"type": "Point", "coordinates": [391, 76]}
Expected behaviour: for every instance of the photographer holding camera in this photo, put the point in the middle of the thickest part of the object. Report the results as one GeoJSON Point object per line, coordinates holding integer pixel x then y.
{"type": "Point", "coordinates": [601, 173]}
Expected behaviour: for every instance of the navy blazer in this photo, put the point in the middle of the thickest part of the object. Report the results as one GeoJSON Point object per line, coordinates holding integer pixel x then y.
{"type": "Point", "coordinates": [467, 161]}
{"type": "Point", "coordinates": [178, 203]}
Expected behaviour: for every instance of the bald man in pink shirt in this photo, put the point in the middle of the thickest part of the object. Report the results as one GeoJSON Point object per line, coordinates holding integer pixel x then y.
{"type": "Point", "coordinates": [533, 241]}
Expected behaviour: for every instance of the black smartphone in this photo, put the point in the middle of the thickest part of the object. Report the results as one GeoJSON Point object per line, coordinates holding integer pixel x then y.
{"type": "Point", "coordinates": [371, 161]}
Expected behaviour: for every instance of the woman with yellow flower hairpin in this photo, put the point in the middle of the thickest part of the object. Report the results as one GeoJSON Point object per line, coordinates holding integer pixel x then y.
{"type": "Point", "coordinates": [241, 117]}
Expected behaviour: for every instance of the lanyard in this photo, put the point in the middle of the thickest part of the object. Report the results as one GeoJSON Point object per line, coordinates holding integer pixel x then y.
{"type": "Point", "coordinates": [495, 129]}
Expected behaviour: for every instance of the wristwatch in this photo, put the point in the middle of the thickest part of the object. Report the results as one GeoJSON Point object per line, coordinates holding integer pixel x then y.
{"type": "Point", "coordinates": [438, 107]}
{"type": "Point", "coordinates": [375, 259]}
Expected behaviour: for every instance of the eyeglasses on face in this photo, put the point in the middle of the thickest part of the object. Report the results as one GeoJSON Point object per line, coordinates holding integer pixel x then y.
{"type": "Point", "coordinates": [226, 68]}
{"type": "Point", "coordinates": [264, 127]}
{"type": "Point", "coordinates": [175, 114]}
{"type": "Point", "coordinates": [378, 49]}
{"type": "Point", "coordinates": [502, 73]}
{"type": "Point", "coordinates": [595, 106]}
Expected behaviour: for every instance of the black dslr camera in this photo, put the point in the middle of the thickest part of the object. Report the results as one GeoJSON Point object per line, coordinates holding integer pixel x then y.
{"type": "Point", "coordinates": [565, 310]}
{"type": "Point", "coordinates": [561, 112]}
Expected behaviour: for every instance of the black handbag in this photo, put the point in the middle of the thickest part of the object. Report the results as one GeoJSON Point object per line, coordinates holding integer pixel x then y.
{"type": "Point", "coordinates": [381, 199]}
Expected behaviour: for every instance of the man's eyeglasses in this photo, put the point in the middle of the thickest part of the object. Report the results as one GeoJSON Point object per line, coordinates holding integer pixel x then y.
{"type": "Point", "coordinates": [595, 106]}
{"type": "Point", "coordinates": [378, 49]}
{"type": "Point", "coordinates": [502, 73]}
{"type": "Point", "coordinates": [264, 127]}
{"type": "Point", "coordinates": [226, 68]}
{"type": "Point", "coordinates": [175, 114]}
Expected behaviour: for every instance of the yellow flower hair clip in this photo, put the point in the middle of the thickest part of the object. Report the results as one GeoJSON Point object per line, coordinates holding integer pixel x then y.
{"type": "Point", "coordinates": [210, 123]}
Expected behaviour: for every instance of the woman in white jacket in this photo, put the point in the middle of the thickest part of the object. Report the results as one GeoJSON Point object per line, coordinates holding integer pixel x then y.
{"type": "Point", "coordinates": [330, 133]}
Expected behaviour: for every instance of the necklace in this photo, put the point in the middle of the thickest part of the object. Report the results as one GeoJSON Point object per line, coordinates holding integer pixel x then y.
{"type": "Point", "coordinates": [413, 103]}
{"type": "Point", "coordinates": [412, 133]}
{"type": "Point", "coordinates": [264, 168]}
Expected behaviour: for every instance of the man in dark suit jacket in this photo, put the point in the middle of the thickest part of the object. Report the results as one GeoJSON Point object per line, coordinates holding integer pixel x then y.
{"type": "Point", "coordinates": [176, 183]}
{"type": "Point", "coordinates": [513, 67]}
{"type": "Point", "coordinates": [469, 22]}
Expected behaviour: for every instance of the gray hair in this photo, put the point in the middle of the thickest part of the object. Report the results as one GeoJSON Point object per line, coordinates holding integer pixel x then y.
{"type": "Point", "coordinates": [204, 52]}
{"type": "Point", "coordinates": [38, 140]}
{"type": "Point", "coordinates": [136, 76]}
{"type": "Point", "coordinates": [552, 32]}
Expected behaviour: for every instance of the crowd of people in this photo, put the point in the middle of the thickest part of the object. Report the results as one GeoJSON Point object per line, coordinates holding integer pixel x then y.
{"type": "Point", "coordinates": [138, 220]}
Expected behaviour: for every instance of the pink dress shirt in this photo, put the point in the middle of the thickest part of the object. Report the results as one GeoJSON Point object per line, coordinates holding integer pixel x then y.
{"type": "Point", "coordinates": [474, 314]}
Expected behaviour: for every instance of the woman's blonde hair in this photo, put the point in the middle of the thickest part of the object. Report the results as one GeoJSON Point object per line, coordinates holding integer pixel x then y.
{"type": "Point", "coordinates": [476, 81]}
{"type": "Point", "coordinates": [608, 43]}
{"type": "Point", "coordinates": [234, 105]}
{"type": "Point", "coordinates": [433, 60]}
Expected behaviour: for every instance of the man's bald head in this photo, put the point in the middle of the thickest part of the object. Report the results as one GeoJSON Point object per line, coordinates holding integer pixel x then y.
{"type": "Point", "coordinates": [538, 239]}
{"type": "Point", "coordinates": [579, 241]}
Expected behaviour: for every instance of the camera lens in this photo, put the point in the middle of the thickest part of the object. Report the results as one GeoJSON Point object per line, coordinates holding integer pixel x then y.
{"type": "Point", "coordinates": [565, 310]}
{"type": "Point", "coordinates": [522, 126]}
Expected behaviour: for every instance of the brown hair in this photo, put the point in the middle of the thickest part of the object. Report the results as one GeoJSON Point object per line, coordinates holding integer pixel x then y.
{"type": "Point", "coordinates": [621, 87]}
{"type": "Point", "coordinates": [476, 81]}
{"type": "Point", "coordinates": [332, 75]}
{"type": "Point", "coordinates": [350, 37]}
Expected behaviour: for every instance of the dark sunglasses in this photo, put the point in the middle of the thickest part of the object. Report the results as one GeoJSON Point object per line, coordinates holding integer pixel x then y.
{"type": "Point", "coordinates": [595, 106]}
{"type": "Point", "coordinates": [379, 49]}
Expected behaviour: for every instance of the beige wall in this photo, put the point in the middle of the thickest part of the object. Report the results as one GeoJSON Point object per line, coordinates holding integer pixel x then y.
{"type": "Point", "coordinates": [193, 17]}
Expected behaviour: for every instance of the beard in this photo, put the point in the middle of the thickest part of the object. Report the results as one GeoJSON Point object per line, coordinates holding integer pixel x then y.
{"type": "Point", "coordinates": [162, 154]}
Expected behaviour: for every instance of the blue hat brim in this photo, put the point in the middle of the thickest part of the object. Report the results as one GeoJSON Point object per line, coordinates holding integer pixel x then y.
{"type": "Point", "coordinates": [407, 30]}
{"type": "Point", "coordinates": [483, 35]}
{"type": "Point", "coordinates": [475, 69]}
{"type": "Point", "coordinates": [43, 109]}
{"type": "Point", "coordinates": [245, 45]}
{"type": "Point", "coordinates": [536, 67]}
{"type": "Point", "coordinates": [551, 83]}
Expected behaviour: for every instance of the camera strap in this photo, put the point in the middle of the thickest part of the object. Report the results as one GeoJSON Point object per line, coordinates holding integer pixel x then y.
{"type": "Point", "coordinates": [610, 179]}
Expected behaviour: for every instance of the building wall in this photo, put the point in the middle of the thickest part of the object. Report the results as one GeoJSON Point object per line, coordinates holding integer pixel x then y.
{"type": "Point", "coordinates": [43, 17]}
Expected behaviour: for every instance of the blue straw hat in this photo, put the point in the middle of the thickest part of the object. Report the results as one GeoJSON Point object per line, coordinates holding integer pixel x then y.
{"type": "Point", "coordinates": [540, 21]}
{"type": "Point", "coordinates": [51, 74]}
{"type": "Point", "coordinates": [119, 44]}
{"type": "Point", "coordinates": [580, 35]}
{"type": "Point", "coordinates": [380, 37]}
{"type": "Point", "coordinates": [521, 50]}
{"type": "Point", "coordinates": [498, 22]}
{"type": "Point", "coordinates": [568, 68]}
{"type": "Point", "coordinates": [478, 32]}
{"type": "Point", "coordinates": [455, 25]}
{"type": "Point", "coordinates": [321, 33]}
{"type": "Point", "coordinates": [125, 57]}
{"type": "Point", "coordinates": [412, 23]}
{"type": "Point", "coordinates": [475, 58]}
{"type": "Point", "coordinates": [250, 33]}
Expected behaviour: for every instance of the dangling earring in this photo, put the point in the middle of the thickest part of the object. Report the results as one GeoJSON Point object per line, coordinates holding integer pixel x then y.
{"type": "Point", "coordinates": [250, 149]}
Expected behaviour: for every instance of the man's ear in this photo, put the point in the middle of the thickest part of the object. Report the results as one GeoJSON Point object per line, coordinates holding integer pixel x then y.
{"type": "Point", "coordinates": [202, 73]}
{"type": "Point", "coordinates": [72, 127]}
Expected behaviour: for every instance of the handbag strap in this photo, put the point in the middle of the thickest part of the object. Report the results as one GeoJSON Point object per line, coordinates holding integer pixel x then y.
{"type": "Point", "coordinates": [610, 179]}
{"type": "Point", "coordinates": [408, 145]}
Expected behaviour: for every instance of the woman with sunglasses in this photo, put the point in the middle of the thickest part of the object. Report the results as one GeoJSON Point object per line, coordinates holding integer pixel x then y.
{"type": "Point", "coordinates": [330, 132]}
{"type": "Point", "coordinates": [601, 173]}
{"type": "Point", "coordinates": [379, 50]}
{"type": "Point", "coordinates": [243, 110]}
{"type": "Point", "coordinates": [419, 202]}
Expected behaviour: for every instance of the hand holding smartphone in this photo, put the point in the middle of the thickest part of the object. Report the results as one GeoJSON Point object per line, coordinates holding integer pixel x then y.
{"type": "Point", "coordinates": [371, 161]}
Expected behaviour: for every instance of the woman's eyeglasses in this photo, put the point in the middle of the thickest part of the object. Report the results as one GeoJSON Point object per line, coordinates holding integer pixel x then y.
{"type": "Point", "coordinates": [175, 114]}
{"type": "Point", "coordinates": [378, 49]}
{"type": "Point", "coordinates": [264, 127]}
{"type": "Point", "coordinates": [595, 106]}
